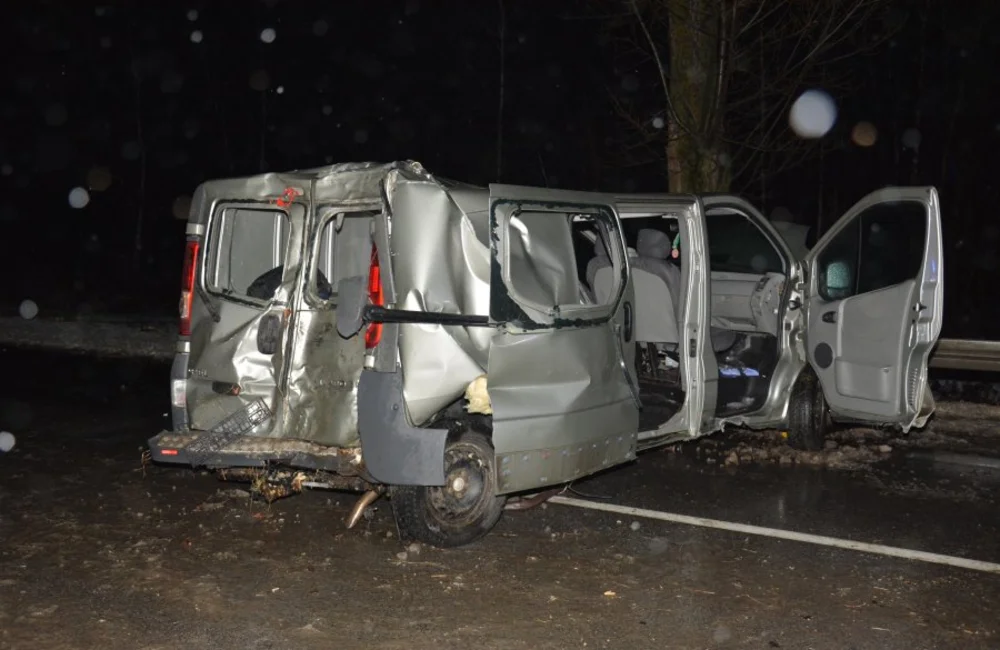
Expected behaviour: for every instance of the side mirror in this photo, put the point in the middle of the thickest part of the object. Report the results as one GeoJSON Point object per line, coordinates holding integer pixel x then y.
{"type": "Point", "coordinates": [352, 297]}
{"type": "Point", "coordinates": [837, 280]}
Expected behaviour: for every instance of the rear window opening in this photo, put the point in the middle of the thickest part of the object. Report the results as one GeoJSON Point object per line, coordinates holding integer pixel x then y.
{"type": "Point", "coordinates": [246, 252]}
{"type": "Point", "coordinates": [343, 250]}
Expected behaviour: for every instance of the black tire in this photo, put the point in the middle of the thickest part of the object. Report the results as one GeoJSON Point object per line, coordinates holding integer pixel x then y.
{"type": "Point", "coordinates": [807, 414]}
{"type": "Point", "coordinates": [448, 517]}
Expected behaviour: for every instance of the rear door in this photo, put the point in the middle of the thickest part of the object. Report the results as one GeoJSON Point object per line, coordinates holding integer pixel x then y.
{"type": "Point", "coordinates": [562, 368]}
{"type": "Point", "coordinates": [238, 314]}
{"type": "Point", "coordinates": [875, 306]}
{"type": "Point", "coordinates": [324, 368]}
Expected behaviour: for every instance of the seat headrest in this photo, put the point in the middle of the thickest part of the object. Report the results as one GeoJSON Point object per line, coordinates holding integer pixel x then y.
{"type": "Point", "coordinates": [653, 243]}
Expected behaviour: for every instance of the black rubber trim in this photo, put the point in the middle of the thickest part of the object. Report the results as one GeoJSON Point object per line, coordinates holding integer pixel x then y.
{"type": "Point", "coordinates": [373, 314]}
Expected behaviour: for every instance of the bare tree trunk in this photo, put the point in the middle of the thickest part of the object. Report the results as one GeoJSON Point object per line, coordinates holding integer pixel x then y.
{"type": "Point", "coordinates": [694, 145]}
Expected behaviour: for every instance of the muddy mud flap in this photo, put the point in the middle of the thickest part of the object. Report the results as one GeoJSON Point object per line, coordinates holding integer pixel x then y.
{"type": "Point", "coordinates": [395, 452]}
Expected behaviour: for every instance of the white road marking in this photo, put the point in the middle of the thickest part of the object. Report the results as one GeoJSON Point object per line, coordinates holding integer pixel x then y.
{"type": "Point", "coordinates": [821, 540]}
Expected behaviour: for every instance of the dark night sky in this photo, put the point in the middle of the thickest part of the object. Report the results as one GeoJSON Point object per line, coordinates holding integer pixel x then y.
{"type": "Point", "coordinates": [120, 92]}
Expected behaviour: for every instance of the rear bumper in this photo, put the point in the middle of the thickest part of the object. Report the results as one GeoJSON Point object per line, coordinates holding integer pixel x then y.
{"type": "Point", "coordinates": [195, 449]}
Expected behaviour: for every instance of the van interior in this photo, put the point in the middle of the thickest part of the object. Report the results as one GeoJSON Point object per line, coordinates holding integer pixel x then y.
{"type": "Point", "coordinates": [746, 288]}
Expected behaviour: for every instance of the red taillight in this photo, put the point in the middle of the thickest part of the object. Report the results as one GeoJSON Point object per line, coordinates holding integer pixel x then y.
{"type": "Point", "coordinates": [374, 332]}
{"type": "Point", "coordinates": [187, 285]}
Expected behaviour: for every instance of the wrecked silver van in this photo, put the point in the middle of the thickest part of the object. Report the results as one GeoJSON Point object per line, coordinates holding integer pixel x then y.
{"type": "Point", "coordinates": [375, 328]}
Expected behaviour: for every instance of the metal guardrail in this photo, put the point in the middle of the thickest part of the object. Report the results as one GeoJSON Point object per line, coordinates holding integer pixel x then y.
{"type": "Point", "coordinates": [961, 354]}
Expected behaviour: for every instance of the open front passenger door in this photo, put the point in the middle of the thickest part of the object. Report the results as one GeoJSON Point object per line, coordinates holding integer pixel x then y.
{"type": "Point", "coordinates": [875, 306]}
{"type": "Point", "coordinates": [561, 377]}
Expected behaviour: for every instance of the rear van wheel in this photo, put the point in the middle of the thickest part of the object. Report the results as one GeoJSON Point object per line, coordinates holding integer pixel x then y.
{"type": "Point", "coordinates": [461, 511]}
{"type": "Point", "coordinates": [807, 413]}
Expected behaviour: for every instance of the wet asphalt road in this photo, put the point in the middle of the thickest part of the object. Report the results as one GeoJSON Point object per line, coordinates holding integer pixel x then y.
{"type": "Point", "coordinates": [97, 555]}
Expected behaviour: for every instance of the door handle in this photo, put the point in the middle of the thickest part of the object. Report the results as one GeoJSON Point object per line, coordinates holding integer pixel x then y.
{"type": "Point", "coordinates": [830, 317]}
{"type": "Point", "coordinates": [627, 325]}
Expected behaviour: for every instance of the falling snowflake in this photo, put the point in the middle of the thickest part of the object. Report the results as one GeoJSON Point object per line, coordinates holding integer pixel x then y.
{"type": "Point", "coordinates": [196, 36]}
{"type": "Point", "coordinates": [7, 441]}
{"type": "Point", "coordinates": [79, 198]}
{"type": "Point", "coordinates": [813, 114]}
{"type": "Point", "coordinates": [280, 90]}
{"type": "Point", "coordinates": [320, 27]}
{"type": "Point", "coordinates": [268, 35]}
{"type": "Point", "coordinates": [7, 169]}
{"type": "Point", "coordinates": [327, 109]}
{"type": "Point", "coordinates": [658, 122]}
{"type": "Point", "coordinates": [361, 136]}
{"type": "Point", "coordinates": [28, 309]}
{"type": "Point", "coordinates": [192, 15]}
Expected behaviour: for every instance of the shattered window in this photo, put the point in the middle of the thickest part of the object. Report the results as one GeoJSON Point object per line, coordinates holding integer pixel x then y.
{"type": "Point", "coordinates": [550, 253]}
{"type": "Point", "coordinates": [246, 251]}
{"type": "Point", "coordinates": [345, 248]}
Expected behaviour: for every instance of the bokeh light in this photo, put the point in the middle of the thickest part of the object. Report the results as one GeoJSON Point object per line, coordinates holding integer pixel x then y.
{"type": "Point", "coordinates": [864, 134]}
{"type": "Point", "coordinates": [79, 198]}
{"type": "Point", "coordinates": [813, 114]}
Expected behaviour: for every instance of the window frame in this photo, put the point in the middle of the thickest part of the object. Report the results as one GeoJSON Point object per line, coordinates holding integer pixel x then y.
{"type": "Point", "coordinates": [855, 228]}
{"type": "Point", "coordinates": [605, 217]}
{"type": "Point", "coordinates": [712, 211]}
{"type": "Point", "coordinates": [329, 213]}
{"type": "Point", "coordinates": [210, 259]}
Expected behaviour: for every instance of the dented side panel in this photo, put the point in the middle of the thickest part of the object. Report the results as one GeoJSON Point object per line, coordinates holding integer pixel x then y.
{"type": "Point", "coordinates": [560, 372]}
{"type": "Point", "coordinates": [440, 263]}
{"type": "Point", "coordinates": [561, 407]}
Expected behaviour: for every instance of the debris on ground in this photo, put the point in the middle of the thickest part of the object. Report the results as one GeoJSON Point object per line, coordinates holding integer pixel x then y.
{"type": "Point", "coordinates": [959, 427]}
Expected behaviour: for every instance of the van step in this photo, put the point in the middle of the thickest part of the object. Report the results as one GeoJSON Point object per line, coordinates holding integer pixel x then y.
{"type": "Point", "coordinates": [227, 431]}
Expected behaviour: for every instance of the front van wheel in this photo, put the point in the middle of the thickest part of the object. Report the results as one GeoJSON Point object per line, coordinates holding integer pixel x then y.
{"type": "Point", "coordinates": [461, 511]}
{"type": "Point", "coordinates": [807, 414]}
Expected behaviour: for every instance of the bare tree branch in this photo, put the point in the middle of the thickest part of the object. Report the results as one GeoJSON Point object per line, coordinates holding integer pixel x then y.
{"type": "Point", "coordinates": [735, 68]}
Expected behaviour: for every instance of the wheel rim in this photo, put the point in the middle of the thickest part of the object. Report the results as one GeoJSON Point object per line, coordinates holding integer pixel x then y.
{"type": "Point", "coordinates": [467, 487]}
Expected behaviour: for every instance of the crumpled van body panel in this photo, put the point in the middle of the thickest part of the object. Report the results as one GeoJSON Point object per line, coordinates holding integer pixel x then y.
{"type": "Point", "coordinates": [439, 262]}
